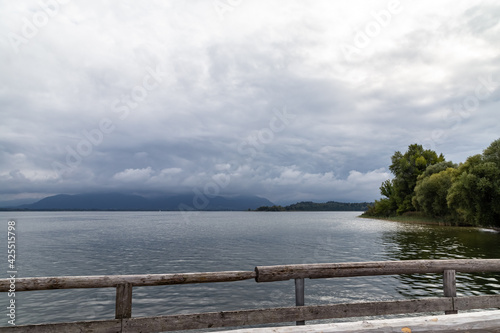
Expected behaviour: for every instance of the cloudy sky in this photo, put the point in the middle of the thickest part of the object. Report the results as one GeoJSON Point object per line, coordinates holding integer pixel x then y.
{"type": "Point", "coordinates": [289, 100]}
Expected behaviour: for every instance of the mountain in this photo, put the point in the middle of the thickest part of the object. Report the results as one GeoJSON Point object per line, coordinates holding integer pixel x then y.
{"type": "Point", "coordinates": [121, 201]}
{"type": "Point", "coordinates": [92, 201]}
{"type": "Point", "coordinates": [16, 202]}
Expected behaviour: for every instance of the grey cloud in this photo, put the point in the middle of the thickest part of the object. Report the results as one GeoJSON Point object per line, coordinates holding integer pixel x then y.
{"type": "Point", "coordinates": [223, 80]}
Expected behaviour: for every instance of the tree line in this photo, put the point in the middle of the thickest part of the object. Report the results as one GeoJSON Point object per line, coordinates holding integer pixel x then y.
{"type": "Point", "coordinates": [313, 206]}
{"type": "Point", "coordinates": [463, 194]}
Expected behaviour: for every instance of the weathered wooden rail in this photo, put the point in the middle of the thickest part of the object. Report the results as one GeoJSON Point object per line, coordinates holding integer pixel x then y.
{"type": "Point", "coordinates": [124, 284]}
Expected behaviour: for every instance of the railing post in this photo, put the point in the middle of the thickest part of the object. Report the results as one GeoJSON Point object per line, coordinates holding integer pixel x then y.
{"type": "Point", "coordinates": [123, 301]}
{"type": "Point", "coordinates": [450, 287]}
{"type": "Point", "coordinates": [299, 297]}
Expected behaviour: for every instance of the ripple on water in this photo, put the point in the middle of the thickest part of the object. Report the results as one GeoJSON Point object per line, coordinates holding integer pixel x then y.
{"type": "Point", "coordinates": [101, 243]}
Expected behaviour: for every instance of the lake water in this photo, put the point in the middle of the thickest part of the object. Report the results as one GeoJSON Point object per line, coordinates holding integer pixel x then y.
{"type": "Point", "coordinates": [106, 243]}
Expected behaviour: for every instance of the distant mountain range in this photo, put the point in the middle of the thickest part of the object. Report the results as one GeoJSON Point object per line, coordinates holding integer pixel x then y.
{"type": "Point", "coordinates": [133, 202]}
{"type": "Point", "coordinates": [124, 202]}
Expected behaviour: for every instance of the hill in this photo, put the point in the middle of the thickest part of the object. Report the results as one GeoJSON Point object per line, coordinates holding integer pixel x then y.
{"type": "Point", "coordinates": [130, 202]}
{"type": "Point", "coordinates": [312, 206]}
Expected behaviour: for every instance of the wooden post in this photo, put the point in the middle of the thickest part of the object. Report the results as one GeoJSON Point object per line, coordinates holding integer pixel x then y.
{"type": "Point", "coordinates": [450, 287]}
{"type": "Point", "coordinates": [299, 297]}
{"type": "Point", "coordinates": [123, 301]}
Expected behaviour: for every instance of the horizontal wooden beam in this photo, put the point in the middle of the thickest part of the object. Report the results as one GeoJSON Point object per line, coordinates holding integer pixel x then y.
{"type": "Point", "coordinates": [280, 315]}
{"type": "Point", "coordinates": [312, 312]}
{"type": "Point", "coordinates": [475, 322]}
{"type": "Point", "coordinates": [112, 281]}
{"type": "Point", "coordinates": [265, 316]}
{"type": "Point", "coordinates": [319, 271]}
{"type": "Point", "coordinates": [97, 326]}
{"type": "Point", "coordinates": [476, 302]}
{"type": "Point", "coordinates": [261, 274]}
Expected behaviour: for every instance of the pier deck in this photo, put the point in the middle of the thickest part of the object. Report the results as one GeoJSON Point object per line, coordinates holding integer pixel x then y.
{"type": "Point", "coordinates": [472, 322]}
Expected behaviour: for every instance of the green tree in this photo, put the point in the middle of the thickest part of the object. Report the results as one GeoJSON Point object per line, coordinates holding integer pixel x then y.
{"type": "Point", "coordinates": [432, 188]}
{"type": "Point", "coordinates": [406, 169]}
{"type": "Point", "coordinates": [475, 192]}
{"type": "Point", "coordinates": [467, 194]}
{"type": "Point", "coordinates": [383, 207]}
{"type": "Point", "coordinates": [492, 153]}
{"type": "Point", "coordinates": [436, 168]}
{"type": "Point", "coordinates": [399, 191]}
{"type": "Point", "coordinates": [270, 209]}
{"type": "Point", "coordinates": [431, 192]}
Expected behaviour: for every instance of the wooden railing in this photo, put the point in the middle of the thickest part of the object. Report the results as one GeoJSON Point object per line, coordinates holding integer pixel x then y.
{"type": "Point", "coordinates": [124, 284]}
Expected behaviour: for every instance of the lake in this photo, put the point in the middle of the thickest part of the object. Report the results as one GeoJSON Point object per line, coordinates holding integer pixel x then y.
{"type": "Point", "coordinates": [105, 243]}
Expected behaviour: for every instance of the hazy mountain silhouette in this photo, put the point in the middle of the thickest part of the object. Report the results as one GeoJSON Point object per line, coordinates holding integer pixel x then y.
{"type": "Point", "coordinates": [121, 201]}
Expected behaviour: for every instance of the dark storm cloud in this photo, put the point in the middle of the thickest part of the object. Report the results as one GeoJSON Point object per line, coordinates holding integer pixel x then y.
{"type": "Point", "coordinates": [283, 100]}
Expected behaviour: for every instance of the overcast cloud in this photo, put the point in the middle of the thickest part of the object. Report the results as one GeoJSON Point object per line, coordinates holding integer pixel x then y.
{"type": "Point", "coordinates": [289, 100]}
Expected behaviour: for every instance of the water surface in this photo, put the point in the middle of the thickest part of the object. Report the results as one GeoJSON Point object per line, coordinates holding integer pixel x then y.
{"type": "Point", "coordinates": [104, 243]}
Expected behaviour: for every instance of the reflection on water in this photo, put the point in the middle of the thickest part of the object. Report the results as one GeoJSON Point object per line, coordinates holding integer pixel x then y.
{"type": "Point", "coordinates": [411, 241]}
{"type": "Point", "coordinates": [107, 243]}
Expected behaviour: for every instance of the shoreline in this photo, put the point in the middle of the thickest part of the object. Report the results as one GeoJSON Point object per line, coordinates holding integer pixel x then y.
{"type": "Point", "coordinates": [418, 219]}
{"type": "Point", "coordinates": [410, 219]}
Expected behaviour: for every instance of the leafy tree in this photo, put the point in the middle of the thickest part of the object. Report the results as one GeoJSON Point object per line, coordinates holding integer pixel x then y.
{"type": "Point", "coordinates": [323, 206]}
{"type": "Point", "coordinates": [386, 206]}
{"type": "Point", "coordinates": [431, 192]}
{"type": "Point", "coordinates": [467, 194]}
{"type": "Point", "coordinates": [406, 168]}
{"type": "Point", "coordinates": [475, 192]}
{"type": "Point", "coordinates": [383, 207]}
{"type": "Point", "coordinates": [432, 188]}
{"type": "Point", "coordinates": [492, 153]}
{"type": "Point", "coordinates": [436, 168]}
{"type": "Point", "coordinates": [271, 209]}
{"type": "Point", "coordinates": [327, 206]}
